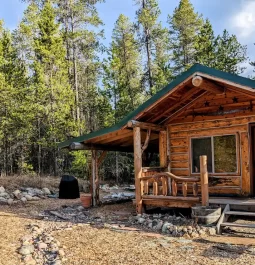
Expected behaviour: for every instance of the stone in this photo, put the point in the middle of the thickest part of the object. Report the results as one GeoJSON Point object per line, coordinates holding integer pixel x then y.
{"type": "Point", "coordinates": [194, 234]}
{"type": "Point", "coordinates": [61, 253]}
{"type": "Point", "coordinates": [141, 220]}
{"type": "Point", "coordinates": [46, 191]}
{"type": "Point", "coordinates": [3, 200]}
{"type": "Point", "coordinates": [185, 229]}
{"type": "Point", "coordinates": [165, 227]}
{"type": "Point", "coordinates": [4, 194]}
{"type": "Point", "coordinates": [26, 250]}
{"type": "Point", "coordinates": [201, 232]}
{"type": "Point", "coordinates": [150, 225]}
{"type": "Point", "coordinates": [10, 201]}
{"type": "Point", "coordinates": [42, 246]}
{"type": "Point", "coordinates": [28, 197]}
{"type": "Point", "coordinates": [80, 208]}
{"type": "Point", "coordinates": [23, 199]}
{"type": "Point", "coordinates": [17, 194]}
{"type": "Point", "coordinates": [212, 231]}
{"type": "Point", "coordinates": [35, 198]}
{"type": "Point", "coordinates": [2, 189]}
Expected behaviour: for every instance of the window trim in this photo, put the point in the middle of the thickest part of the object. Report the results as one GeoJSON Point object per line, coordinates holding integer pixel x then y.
{"type": "Point", "coordinates": [238, 162]}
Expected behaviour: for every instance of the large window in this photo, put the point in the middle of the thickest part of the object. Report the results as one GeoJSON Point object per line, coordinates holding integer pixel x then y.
{"type": "Point", "coordinates": [220, 151]}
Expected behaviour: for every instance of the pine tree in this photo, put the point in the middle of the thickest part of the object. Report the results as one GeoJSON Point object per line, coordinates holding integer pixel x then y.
{"type": "Point", "coordinates": [53, 96]}
{"type": "Point", "coordinates": [205, 45]}
{"type": "Point", "coordinates": [123, 69]}
{"type": "Point", "coordinates": [184, 26]}
{"type": "Point", "coordinates": [230, 53]}
{"type": "Point", "coordinates": [154, 41]}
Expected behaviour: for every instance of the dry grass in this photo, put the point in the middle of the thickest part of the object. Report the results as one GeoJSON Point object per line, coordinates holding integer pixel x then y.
{"type": "Point", "coordinates": [33, 181]}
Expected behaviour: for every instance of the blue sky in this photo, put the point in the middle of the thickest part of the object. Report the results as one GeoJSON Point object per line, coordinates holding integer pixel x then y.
{"type": "Point", "coordinates": [237, 16]}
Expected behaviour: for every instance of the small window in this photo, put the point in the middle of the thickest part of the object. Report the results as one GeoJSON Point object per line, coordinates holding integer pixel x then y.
{"type": "Point", "coordinates": [220, 151]}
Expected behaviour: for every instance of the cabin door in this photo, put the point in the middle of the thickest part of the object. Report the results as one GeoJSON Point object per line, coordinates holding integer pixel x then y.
{"type": "Point", "coordinates": [252, 157]}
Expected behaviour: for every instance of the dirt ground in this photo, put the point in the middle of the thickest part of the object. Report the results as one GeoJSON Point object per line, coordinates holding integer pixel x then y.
{"type": "Point", "coordinates": [87, 244]}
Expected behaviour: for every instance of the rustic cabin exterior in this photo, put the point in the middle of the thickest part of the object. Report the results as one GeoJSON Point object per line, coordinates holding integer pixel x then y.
{"type": "Point", "coordinates": [203, 127]}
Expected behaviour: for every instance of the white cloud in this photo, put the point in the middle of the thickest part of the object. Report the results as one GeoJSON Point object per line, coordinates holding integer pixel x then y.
{"type": "Point", "coordinates": [244, 20]}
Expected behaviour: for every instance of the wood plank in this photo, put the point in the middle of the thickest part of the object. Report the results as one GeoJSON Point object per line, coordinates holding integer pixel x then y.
{"type": "Point", "coordinates": [112, 135]}
{"type": "Point", "coordinates": [240, 213]}
{"type": "Point", "coordinates": [180, 164]}
{"type": "Point", "coordinates": [179, 157]}
{"type": "Point", "coordinates": [206, 84]}
{"type": "Point", "coordinates": [180, 171]}
{"type": "Point", "coordinates": [138, 167]}
{"type": "Point", "coordinates": [238, 225]}
{"type": "Point", "coordinates": [223, 219]}
{"type": "Point", "coordinates": [169, 203]}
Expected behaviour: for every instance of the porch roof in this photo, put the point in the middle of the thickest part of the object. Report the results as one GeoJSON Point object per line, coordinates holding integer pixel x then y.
{"type": "Point", "coordinates": [158, 108]}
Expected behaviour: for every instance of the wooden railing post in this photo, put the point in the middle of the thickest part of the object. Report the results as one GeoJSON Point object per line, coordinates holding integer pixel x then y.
{"type": "Point", "coordinates": [138, 168]}
{"type": "Point", "coordinates": [204, 181]}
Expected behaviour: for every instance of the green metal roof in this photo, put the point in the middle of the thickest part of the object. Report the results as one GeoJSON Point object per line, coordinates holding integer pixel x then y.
{"type": "Point", "coordinates": [194, 69]}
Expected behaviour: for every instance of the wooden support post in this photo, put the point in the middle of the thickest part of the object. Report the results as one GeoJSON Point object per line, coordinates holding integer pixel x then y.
{"type": "Point", "coordinates": [138, 168]}
{"type": "Point", "coordinates": [93, 176]}
{"type": "Point", "coordinates": [163, 149]}
{"type": "Point", "coordinates": [168, 157]}
{"type": "Point", "coordinates": [204, 181]}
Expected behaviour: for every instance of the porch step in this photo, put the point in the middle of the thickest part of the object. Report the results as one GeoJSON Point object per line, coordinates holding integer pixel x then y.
{"type": "Point", "coordinates": [238, 225]}
{"type": "Point", "coordinates": [240, 213]}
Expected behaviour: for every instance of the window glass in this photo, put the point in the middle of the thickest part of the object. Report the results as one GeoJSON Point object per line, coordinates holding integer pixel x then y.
{"type": "Point", "coordinates": [225, 154]}
{"type": "Point", "coordinates": [201, 146]}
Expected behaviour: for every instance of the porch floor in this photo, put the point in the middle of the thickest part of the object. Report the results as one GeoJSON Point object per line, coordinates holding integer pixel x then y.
{"type": "Point", "coordinates": [232, 201]}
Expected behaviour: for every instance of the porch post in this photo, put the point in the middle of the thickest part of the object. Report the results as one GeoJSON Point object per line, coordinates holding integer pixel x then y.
{"type": "Point", "coordinates": [138, 168]}
{"type": "Point", "coordinates": [93, 176]}
{"type": "Point", "coordinates": [163, 148]}
{"type": "Point", "coordinates": [204, 181]}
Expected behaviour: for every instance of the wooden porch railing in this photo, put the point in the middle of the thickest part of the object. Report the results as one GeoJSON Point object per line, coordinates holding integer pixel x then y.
{"type": "Point", "coordinates": [160, 180]}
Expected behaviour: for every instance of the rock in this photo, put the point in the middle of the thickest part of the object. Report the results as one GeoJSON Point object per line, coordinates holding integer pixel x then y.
{"type": "Point", "coordinates": [42, 246]}
{"type": "Point", "coordinates": [3, 200]}
{"type": "Point", "coordinates": [185, 229]}
{"type": "Point", "coordinates": [141, 220]}
{"type": "Point", "coordinates": [201, 232]}
{"type": "Point", "coordinates": [35, 198]}
{"type": "Point", "coordinates": [26, 250]}
{"type": "Point", "coordinates": [23, 199]}
{"type": "Point", "coordinates": [165, 227]}
{"type": "Point", "coordinates": [61, 253]}
{"type": "Point", "coordinates": [57, 262]}
{"type": "Point", "coordinates": [80, 208]}
{"type": "Point", "coordinates": [194, 234]}
{"type": "Point", "coordinates": [150, 225]}
{"type": "Point", "coordinates": [2, 189]}
{"type": "Point", "coordinates": [29, 260]}
{"type": "Point", "coordinates": [17, 194]}
{"type": "Point", "coordinates": [10, 201]}
{"type": "Point", "coordinates": [28, 197]}
{"type": "Point", "coordinates": [46, 191]}
{"type": "Point", "coordinates": [4, 194]}
{"type": "Point", "coordinates": [212, 231]}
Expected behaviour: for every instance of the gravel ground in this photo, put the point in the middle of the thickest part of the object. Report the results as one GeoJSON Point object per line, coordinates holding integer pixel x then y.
{"type": "Point", "coordinates": [85, 244]}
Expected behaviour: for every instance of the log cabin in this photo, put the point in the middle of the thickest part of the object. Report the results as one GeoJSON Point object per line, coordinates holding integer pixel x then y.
{"type": "Point", "coordinates": [202, 125]}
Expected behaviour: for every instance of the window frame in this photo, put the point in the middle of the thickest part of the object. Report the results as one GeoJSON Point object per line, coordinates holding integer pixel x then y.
{"type": "Point", "coordinates": [237, 173]}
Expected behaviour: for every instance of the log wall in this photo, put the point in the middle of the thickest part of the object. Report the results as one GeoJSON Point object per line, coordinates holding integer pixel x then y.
{"type": "Point", "coordinates": [180, 141]}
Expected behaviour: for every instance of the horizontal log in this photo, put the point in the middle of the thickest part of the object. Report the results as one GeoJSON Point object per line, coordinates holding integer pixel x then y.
{"type": "Point", "coordinates": [169, 203]}
{"type": "Point", "coordinates": [171, 198]}
{"type": "Point", "coordinates": [153, 169]}
{"type": "Point", "coordinates": [172, 176]}
{"type": "Point", "coordinates": [80, 146]}
{"type": "Point", "coordinates": [146, 126]}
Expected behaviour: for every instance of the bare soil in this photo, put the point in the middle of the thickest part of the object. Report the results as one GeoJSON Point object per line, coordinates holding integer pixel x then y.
{"type": "Point", "coordinates": [87, 244]}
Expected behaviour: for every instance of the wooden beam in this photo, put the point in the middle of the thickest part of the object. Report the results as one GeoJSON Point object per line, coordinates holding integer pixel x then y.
{"type": "Point", "coordinates": [205, 84]}
{"type": "Point", "coordinates": [146, 126]}
{"type": "Point", "coordinates": [116, 134]}
{"type": "Point", "coordinates": [204, 181]}
{"type": "Point", "coordinates": [138, 168]}
{"type": "Point", "coordinates": [82, 146]}
{"type": "Point", "coordinates": [101, 158]}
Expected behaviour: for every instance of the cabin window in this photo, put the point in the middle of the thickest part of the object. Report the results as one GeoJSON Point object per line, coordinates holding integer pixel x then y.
{"type": "Point", "coordinates": [220, 151]}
